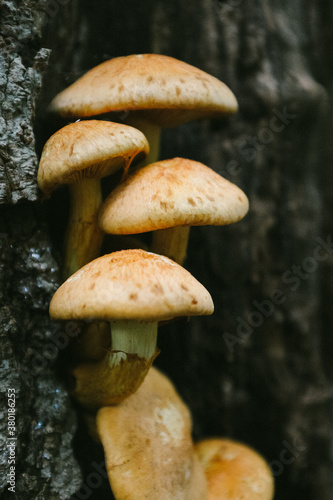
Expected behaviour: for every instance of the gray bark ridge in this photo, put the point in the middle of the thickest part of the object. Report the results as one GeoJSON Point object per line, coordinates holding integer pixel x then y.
{"type": "Point", "coordinates": [21, 70]}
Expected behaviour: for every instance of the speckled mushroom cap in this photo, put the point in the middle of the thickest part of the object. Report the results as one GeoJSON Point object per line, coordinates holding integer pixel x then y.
{"type": "Point", "coordinates": [130, 285]}
{"type": "Point", "coordinates": [176, 192]}
{"type": "Point", "coordinates": [88, 149]}
{"type": "Point", "coordinates": [234, 471]}
{"type": "Point", "coordinates": [147, 82]}
{"type": "Point", "coordinates": [148, 447]}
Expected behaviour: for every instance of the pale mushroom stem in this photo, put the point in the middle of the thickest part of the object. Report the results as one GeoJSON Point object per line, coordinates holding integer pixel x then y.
{"type": "Point", "coordinates": [84, 237]}
{"type": "Point", "coordinates": [152, 131]}
{"type": "Point", "coordinates": [121, 372]}
{"type": "Point", "coordinates": [129, 337]}
{"type": "Point", "coordinates": [171, 242]}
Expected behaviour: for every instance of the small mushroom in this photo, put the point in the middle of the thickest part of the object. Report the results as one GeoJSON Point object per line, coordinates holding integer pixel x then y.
{"type": "Point", "coordinates": [234, 471]}
{"type": "Point", "coordinates": [133, 290]}
{"type": "Point", "coordinates": [148, 446]}
{"type": "Point", "coordinates": [156, 90]}
{"type": "Point", "coordinates": [175, 193]}
{"type": "Point", "coordinates": [80, 154]}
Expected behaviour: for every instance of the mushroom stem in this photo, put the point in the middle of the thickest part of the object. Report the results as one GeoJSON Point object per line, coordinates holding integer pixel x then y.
{"type": "Point", "coordinates": [121, 372]}
{"type": "Point", "coordinates": [171, 242]}
{"type": "Point", "coordinates": [131, 337]}
{"type": "Point", "coordinates": [84, 237]}
{"type": "Point", "coordinates": [152, 131]}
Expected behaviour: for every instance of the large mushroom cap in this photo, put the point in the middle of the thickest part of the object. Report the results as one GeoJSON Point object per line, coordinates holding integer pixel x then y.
{"type": "Point", "coordinates": [148, 446]}
{"type": "Point", "coordinates": [88, 149]}
{"type": "Point", "coordinates": [147, 82]}
{"type": "Point", "coordinates": [169, 193]}
{"type": "Point", "coordinates": [130, 285]}
{"type": "Point", "coordinates": [234, 471]}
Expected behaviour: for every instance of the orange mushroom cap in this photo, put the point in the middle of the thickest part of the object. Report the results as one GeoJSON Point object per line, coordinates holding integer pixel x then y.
{"type": "Point", "coordinates": [168, 90]}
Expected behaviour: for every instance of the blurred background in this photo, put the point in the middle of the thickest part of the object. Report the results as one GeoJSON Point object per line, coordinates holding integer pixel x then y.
{"type": "Point", "coordinates": [258, 370]}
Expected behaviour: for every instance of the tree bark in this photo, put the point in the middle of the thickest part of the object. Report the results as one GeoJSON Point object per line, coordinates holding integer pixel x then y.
{"type": "Point", "coordinates": [258, 370]}
{"type": "Point", "coordinates": [39, 445]}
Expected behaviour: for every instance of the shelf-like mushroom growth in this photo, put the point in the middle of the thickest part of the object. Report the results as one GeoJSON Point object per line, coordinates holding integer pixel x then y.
{"type": "Point", "coordinates": [148, 446]}
{"type": "Point", "coordinates": [176, 193]}
{"type": "Point", "coordinates": [133, 290]}
{"type": "Point", "coordinates": [153, 91]}
{"type": "Point", "coordinates": [79, 155]}
{"type": "Point", "coordinates": [234, 471]}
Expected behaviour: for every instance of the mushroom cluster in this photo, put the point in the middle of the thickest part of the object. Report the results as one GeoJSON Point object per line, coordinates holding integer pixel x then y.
{"type": "Point", "coordinates": [121, 297]}
{"type": "Point", "coordinates": [133, 290]}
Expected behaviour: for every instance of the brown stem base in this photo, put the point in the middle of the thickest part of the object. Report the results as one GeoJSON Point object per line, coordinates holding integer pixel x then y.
{"type": "Point", "coordinates": [97, 385]}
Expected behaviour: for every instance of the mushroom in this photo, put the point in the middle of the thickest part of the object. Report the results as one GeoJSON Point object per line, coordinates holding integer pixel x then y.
{"type": "Point", "coordinates": [148, 447]}
{"type": "Point", "coordinates": [80, 154]}
{"type": "Point", "coordinates": [156, 90]}
{"type": "Point", "coordinates": [175, 193]}
{"type": "Point", "coordinates": [234, 471]}
{"type": "Point", "coordinates": [133, 290]}
{"type": "Point", "coordinates": [92, 342]}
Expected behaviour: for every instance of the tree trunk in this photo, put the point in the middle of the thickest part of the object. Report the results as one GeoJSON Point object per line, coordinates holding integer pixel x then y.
{"type": "Point", "coordinates": [259, 370]}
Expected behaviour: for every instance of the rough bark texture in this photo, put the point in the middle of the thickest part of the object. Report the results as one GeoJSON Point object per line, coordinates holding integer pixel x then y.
{"type": "Point", "coordinates": [45, 466]}
{"type": "Point", "coordinates": [258, 370]}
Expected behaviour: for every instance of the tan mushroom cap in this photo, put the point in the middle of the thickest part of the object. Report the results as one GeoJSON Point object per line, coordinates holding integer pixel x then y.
{"type": "Point", "coordinates": [148, 446]}
{"type": "Point", "coordinates": [176, 192]}
{"type": "Point", "coordinates": [147, 82]}
{"type": "Point", "coordinates": [88, 149]}
{"type": "Point", "coordinates": [234, 471]}
{"type": "Point", "coordinates": [130, 285]}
